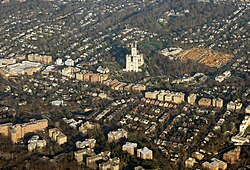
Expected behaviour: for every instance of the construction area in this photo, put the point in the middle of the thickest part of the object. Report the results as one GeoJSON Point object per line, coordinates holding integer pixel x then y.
{"type": "Point", "coordinates": [206, 56]}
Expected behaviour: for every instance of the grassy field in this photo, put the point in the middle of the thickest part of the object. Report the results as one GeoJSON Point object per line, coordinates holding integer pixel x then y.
{"type": "Point", "coordinates": [151, 46]}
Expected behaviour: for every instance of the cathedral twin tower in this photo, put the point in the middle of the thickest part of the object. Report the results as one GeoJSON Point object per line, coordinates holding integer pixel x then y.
{"type": "Point", "coordinates": [134, 60]}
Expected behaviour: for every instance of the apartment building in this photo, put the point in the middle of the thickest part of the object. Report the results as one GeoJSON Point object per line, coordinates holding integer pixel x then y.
{"type": "Point", "coordinates": [56, 135]}
{"type": "Point", "coordinates": [18, 131]}
{"type": "Point", "coordinates": [129, 147]}
{"type": "Point", "coordinates": [145, 153]}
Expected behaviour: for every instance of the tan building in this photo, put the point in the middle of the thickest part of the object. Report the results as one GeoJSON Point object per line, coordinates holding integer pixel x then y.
{"type": "Point", "coordinates": [112, 82]}
{"type": "Point", "coordinates": [61, 139]}
{"type": "Point", "coordinates": [216, 164]}
{"type": "Point", "coordinates": [128, 87]}
{"type": "Point", "coordinates": [238, 106]}
{"type": "Point", "coordinates": [178, 98]}
{"type": "Point", "coordinates": [26, 67]}
{"type": "Point", "coordinates": [247, 110]}
{"type": "Point", "coordinates": [91, 77]}
{"type": "Point", "coordinates": [4, 128]}
{"type": "Point", "coordinates": [68, 71]}
{"type": "Point", "coordinates": [87, 143]}
{"type": "Point", "coordinates": [107, 82]}
{"type": "Point", "coordinates": [87, 76]}
{"type": "Point", "coordinates": [129, 147]}
{"type": "Point", "coordinates": [102, 95]}
{"type": "Point", "coordinates": [102, 70]}
{"type": "Point", "coordinates": [152, 95]}
{"type": "Point", "coordinates": [244, 124]}
{"type": "Point", "coordinates": [18, 131]}
{"type": "Point", "coordinates": [239, 140]}
{"type": "Point", "coordinates": [232, 156]}
{"type": "Point", "coordinates": [116, 135]}
{"type": "Point", "coordinates": [114, 85]}
{"type": "Point", "coordinates": [20, 57]}
{"type": "Point", "coordinates": [234, 105]}
{"type": "Point", "coordinates": [30, 71]}
{"type": "Point", "coordinates": [192, 99]}
{"type": "Point", "coordinates": [210, 166]}
{"type": "Point", "coordinates": [56, 135]}
{"type": "Point", "coordinates": [103, 77]}
{"type": "Point", "coordinates": [231, 106]}
{"type": "Point", "coordinates": [222, 165]}
{"type": "Point", "coordinates": [198, 155]}
{"type": "Point", "coordinates": [112, 164]}
{"type": "Point", "coordinates": [117, 85]}
{"type": "Point", "coordinates": [87, 126]}
{"type": "Point", "coordinates": [175, 97]}
{"type": "Point", "coordinates": [139, 87]}
{"type": "Point", "coordinates": [189, 163]}
{"type": "Point", "coordinates": [79, 76]}
{"type": "Point", "coordinates": [169, 96]}
{"type": "Point", "coordinates": [145, 153]}
{"type": "Point", "coordinates": [161, 96]}
{"type": "Point", "coordinates": [94, 78]}
{"type": "Point", "coordinates": [120, 86]}
{"type": "Point", "coordinates": [41, 59]}
{"type": "Point", "coordinates": [35, 143]}
{"type": "Point", "coordinates": [217, 102]}
{"type": "Point", "coordinates": [91, 161]}
{"type": "Point", "coordinates": [79, 155]}
{"type": "Point", "coordinates": [8, 61]}
{"type": "Point", "coordinates": [206, 102]}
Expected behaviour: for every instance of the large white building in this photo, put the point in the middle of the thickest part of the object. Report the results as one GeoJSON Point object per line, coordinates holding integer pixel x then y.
{"type": "Point", "coordinates": [69, 62]}
{"type": "Point", "coordinates": [59, 62]}
{"type": "Point", "coordinates": [85, 144]}
{"type": "Point", "coordinates": [241, 138]}
{"type": "Point", "coordinates": [134, 60]}
{"type": "Point", "coordinates": [145, 153]}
